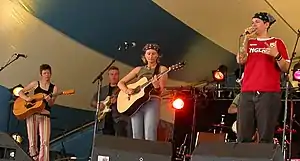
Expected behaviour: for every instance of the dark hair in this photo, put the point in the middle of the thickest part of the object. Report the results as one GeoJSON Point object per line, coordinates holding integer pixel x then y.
{"type": "Point", "coordinates": [265, 17]}
{"type": "Point", "coordinates": [45, 67]}
{"type": "Point", "coordinates": [113, 68]}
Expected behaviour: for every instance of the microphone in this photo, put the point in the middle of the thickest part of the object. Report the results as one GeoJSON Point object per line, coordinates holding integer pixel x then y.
{"type": "Point", "coordinates": [247, 32]}
{"type": "Point", "coordinates": [125, 45]}
{"type": "Point", "coordinates": [21, 55]}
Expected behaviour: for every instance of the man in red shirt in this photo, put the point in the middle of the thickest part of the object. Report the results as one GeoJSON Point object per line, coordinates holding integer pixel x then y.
{"type": "Point", "coordinates": [264, 58]}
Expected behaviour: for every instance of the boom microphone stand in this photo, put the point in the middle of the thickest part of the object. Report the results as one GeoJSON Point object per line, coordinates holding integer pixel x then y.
{"type": "Point", "coordinates": [286, 98]}
{"type": "Point", "coordinates": [99, 79]}
{"type": "Point", "coordinates": [10, 61]}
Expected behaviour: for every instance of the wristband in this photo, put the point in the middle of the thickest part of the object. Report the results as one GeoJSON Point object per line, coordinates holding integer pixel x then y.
{"type": "Point", "coordinates": [278, 57]}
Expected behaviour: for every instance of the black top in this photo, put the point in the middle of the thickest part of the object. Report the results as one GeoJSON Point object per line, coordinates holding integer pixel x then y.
{"type": "Point", "coordinates": [49, 91]}
{"type": "Point", "coordinates": [111, 90]}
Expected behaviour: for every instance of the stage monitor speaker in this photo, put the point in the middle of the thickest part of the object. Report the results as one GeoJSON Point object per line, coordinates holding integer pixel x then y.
{"type": "Point", "coordinates": [111, 148]}
{"type": "Point", "coordinates": [10, 150]}
{"type": "Point", "coordinates": [237, 152]}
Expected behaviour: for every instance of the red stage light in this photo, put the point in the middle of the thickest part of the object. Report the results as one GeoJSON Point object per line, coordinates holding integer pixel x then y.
{"type": "Point", "coordinates": [178, 103]}
{"type": "Point", "coordinates": [218, 76]}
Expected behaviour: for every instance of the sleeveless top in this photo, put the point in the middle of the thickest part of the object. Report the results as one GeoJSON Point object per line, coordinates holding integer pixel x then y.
{"type": "Point", "coordinates": [148, 73]}
{"type": "Point", "coordinates": [49, 91]}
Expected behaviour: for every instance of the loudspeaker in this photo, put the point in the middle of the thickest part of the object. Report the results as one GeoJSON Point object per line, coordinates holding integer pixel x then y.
{"type": "Point", "coordinates": [237, 152]}
{"type": "Point", "coordinates": [10, 150]}
{"type": "Point", "coordinates": [111, 148]}
{"type": "Point", "coordinates": [211, 137]}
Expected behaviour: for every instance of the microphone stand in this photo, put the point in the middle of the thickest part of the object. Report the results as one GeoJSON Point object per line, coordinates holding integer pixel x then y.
{"type": "Point", "coordinates": [99, 79]}
{"type": "Point", "coordinates": [10, 61]}
{"type": "Point", "coordinates": [286, 99]}
{"type": "Point", "coordinates": [194, 120]}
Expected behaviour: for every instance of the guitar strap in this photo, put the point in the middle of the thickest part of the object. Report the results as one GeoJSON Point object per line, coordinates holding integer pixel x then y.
{"type": "Point", "coordinates": [156, 70]}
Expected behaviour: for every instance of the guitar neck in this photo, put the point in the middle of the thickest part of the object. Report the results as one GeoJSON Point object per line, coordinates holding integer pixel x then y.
{"type": "Point", "coordinates": [158, 76]}
{"type": "Point", "coordinates": [56, 94]}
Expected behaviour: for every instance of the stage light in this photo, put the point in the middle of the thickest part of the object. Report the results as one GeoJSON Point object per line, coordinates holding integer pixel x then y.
{"type": "Point", "coordinates": [296, 72]}
{"type": "Point", "coordinates": [16, 89]}
{"type": "Point", "coordinates": [220, 74]}
{"type": "Point", "coordinates": [17, 137]}
{"type": "Point", "coordinates": [178, 103]}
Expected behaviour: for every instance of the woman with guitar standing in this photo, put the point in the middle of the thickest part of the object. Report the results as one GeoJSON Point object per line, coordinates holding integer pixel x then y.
{"type": "Point", "coordinates": [145, 120]}
{"type": "Point", "coordinates": [40, 121]}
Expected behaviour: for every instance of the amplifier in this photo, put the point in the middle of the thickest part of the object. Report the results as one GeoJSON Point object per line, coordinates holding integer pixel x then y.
{"type": "Point", "coordinates": [237, 152]}
{"type": "Point", "coordinates": [111, 148]}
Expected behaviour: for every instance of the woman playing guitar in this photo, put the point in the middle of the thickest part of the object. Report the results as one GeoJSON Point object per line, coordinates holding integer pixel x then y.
{"type": "Point", "coordinates": [40, 121]}
{"type": "Point", "coordinates": [145, 120]}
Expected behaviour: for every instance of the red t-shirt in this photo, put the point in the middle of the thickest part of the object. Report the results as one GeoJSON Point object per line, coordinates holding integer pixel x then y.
{"type": "Point", "coordinates": [262, 72]}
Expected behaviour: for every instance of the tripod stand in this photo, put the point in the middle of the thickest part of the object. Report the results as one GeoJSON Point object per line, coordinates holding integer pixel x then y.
{"type": "Point", "coordinates": [286, 102]}
{"type": "Point", "coordinates": [99, 79]}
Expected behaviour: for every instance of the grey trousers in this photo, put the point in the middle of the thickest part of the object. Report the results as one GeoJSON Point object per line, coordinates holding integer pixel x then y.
{"type": "Point", "coordinates": [262, 108]}
{"type": "Point", "coordinates": [145, 121]}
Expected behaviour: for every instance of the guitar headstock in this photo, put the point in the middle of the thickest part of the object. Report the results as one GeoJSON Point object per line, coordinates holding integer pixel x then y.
{"type": "Point", "coordinates": [177, 66]}
{"type": "Point", "coordinates": [68, 92]}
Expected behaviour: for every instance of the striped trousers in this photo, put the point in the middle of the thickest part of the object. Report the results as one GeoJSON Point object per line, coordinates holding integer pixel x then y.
{"type": "Point", "coordinates": [38, 124]}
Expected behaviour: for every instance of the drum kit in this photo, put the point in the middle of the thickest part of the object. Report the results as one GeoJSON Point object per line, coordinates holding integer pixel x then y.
{"type": "Point", "coordinates": [222, 128]}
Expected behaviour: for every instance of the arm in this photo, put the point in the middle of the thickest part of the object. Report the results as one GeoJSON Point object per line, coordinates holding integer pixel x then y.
{"type": "Point", "coordinates": [242, 55]}
{"type": "Point", "coordinates": [232, 109]}
{"type": "Point", "coordinates": [234, 105]}
{"type": "Point", "coordinates": [241, 58]}
{"type": "Point", "coordinates": [94, 102]}
{"type": "Point", "coordinates": [31, 86]}
{"type": "Point", "coordinates": [284, 62]}
{"type": "Point", "coordinates": [51, 100]}
{"type": "Point", "coordinates": [131, 75]}
{"type": "Point", "coordinates": [162, 81]}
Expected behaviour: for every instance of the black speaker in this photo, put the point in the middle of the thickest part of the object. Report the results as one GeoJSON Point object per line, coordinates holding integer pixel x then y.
{"type": "Point", "coordinates": [10, 150]}
{"type": "Point", "coordinates": [237, 152]}
{"type": "Point", "coordinates": [111, 148]}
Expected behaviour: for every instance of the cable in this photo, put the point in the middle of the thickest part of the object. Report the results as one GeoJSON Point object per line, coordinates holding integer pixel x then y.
{"type": "Point", "coordinates": [281, 16]}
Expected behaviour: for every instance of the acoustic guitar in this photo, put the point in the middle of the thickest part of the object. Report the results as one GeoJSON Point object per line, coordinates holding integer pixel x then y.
{"type": "Point", "coordinates": [107, 103]}
{"type": "Point", "coordinates": [23, 109]}
{"type": "Point", "coordinates": [130, 104]}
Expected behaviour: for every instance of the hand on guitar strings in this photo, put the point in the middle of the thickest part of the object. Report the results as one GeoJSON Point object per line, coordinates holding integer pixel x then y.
{"type": "Point", "coordinates": [113, 100]}
{"type": "Point", "coordinates": [47, 98]}
{"type": "Point", "coordinates": [28, 99]}
{"type": "Point", "coordinates": [155, 82]}
{"type": "Point", "coordinates": [101, 105]}
{"type": "Point", "coordinates": [129, 91]}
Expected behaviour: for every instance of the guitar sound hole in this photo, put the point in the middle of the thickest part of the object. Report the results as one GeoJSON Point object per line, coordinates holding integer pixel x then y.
{"type": "Point", "coordinates": [137, 90]}
{"type": "Point", "coordinates": [30, 104]}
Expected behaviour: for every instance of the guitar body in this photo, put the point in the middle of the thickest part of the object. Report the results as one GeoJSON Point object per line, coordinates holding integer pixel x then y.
{"type": "Point", "coordinates": [23, 109]}
{"type": "Point", "coordinates": [130, 104]}
{"type": "Point", "coordinates": [106, 109]}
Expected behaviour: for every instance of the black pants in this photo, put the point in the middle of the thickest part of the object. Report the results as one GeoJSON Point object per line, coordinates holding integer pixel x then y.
{"type": "Point", "coordinates": [109, 126]}
{"type": "Point", "coordinates": [262, 108]}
